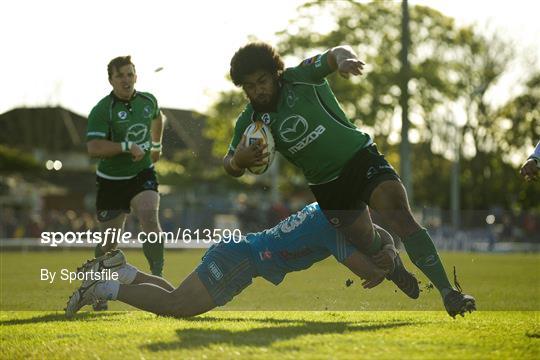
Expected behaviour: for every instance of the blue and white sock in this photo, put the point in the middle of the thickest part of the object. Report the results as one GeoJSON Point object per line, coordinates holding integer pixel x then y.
{"type": "Point", "coordinates": [107, 290]}
{"type": "Point", "coordinates": [126, 273]}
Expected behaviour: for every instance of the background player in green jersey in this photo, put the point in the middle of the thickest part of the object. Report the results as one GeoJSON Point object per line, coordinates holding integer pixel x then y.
{"type": "Point", "coordinates": [124, 131]}
{"type": "Point", "coordinates": [344, 169]}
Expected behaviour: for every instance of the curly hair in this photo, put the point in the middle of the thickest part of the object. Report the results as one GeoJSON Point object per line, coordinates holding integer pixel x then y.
{"type": "Point", "coordinates": [253, 57]}
{"type": "Point", "coordinates": [117, 63]}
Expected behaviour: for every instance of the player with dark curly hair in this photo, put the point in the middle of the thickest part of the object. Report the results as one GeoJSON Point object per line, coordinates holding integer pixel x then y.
{"type": "Point", "coordinates": [345, 171]}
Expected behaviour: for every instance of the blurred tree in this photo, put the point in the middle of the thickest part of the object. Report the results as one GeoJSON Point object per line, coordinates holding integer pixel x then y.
{"type": "Point", "coordinates": [221, 119]}
{"type": "Point", "coordinates": [519, 119]}
{"type": "Point", "coordinates": [373, 29]}
{"type": "Point", "coordinates": [14, 160]}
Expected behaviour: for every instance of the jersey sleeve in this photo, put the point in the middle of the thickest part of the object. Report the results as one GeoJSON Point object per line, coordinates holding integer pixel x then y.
{"type": "Point", "coordinates": [340, 248]}
{"type": "Point", "coordinates": [242, 123]}
{"type": "Point", "coordinates": [156, 107]}
{"type": "Point", "coordinates": [312, 70]}
{"type": "Point", "coordinates": [98, 125]}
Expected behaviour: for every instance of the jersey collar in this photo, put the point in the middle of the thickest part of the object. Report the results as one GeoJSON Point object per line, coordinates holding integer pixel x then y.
{"type": "Point", "coordinates": [267, 117]}
{"type": "Point", "coordinates": [117, 99]}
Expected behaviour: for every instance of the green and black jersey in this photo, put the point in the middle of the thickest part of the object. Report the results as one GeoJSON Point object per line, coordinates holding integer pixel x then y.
{"type": "Point", "coordinates": [120, 120]}
{"type": "Point", "coordinates": [309, 128]}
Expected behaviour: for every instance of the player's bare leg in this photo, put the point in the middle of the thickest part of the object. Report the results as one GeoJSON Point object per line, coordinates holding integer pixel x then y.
{"type": "Point", "coordinates": [189, 299]}
{"type": "Point", "coordinates": [361, 233]}
{"type": "Point", "coordinates": [144, 278]}
{"type": "Point", "coordinates": [389, 199]}
{"type": "Point", "coordinates": [146, 205]}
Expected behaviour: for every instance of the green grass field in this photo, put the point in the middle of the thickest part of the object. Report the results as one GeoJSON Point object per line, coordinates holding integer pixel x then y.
{"type": "Point", "coordinates": [313, 314]}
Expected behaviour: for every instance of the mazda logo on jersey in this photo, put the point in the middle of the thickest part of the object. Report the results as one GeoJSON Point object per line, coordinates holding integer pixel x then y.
{"type": "Point", "coordinates": [293, 128]}
{"type": "Point", "coordinates": [136, 133]}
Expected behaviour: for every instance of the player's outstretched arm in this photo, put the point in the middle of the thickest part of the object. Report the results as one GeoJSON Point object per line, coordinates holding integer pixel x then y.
{"type": "Point", "coordinates": [363, 267]}
{"type": "Point", "coordinates": [345, 61]}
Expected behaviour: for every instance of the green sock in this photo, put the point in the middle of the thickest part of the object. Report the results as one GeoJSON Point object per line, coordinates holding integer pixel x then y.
{"type": "Point", "coordinates": [376, 244]}
{"type": "Point", "coordinates": [423, 254]}
{"type": "Point", "coordinates": [154, 255]}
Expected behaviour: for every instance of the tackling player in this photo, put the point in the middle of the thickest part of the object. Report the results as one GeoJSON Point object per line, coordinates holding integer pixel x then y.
{"type": "Point", "coordinates": [124, 131]}
{"type": "Point", "coordinates": [342, 165]}
{"type": "Point", "coordinates": [227, 268]}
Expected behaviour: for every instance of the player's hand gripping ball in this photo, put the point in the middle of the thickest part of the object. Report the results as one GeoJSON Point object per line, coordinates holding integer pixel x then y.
{"type": "Point", "coordinates": [259, 132]}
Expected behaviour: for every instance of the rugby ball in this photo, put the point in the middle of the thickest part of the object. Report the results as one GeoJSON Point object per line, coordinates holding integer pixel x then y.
{"type": "Point", "coordinates": [259, 131]}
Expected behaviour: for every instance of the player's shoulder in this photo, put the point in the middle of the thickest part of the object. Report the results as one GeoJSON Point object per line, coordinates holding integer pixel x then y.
{"type": "Point", "coordinates": [301, 74]}
{"type": "Point", "coordinates": [104, 101]}
{"type": "Point", "coordinates": [102, 105]}
{"type": "Point", "coordinates": [298, 76]}
{"type": "Point", "coordinates": [315, 210]}
{"type": "Point", "coordinates": [295, 75]}
{"type": "Point", "coordinates": [246, 116]}
{"type": "Point", "coordinates": [312, 208]}
{"type": "Point", "coordinates": [148, 96]}
{"type": "Point", "coordinates": [314, 213]}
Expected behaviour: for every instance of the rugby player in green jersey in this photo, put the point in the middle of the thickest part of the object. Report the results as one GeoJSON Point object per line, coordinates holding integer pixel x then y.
{"type": "Point", "coordinates": [124, 131]}
{"type": "Point", "coordinates": [342, 165]}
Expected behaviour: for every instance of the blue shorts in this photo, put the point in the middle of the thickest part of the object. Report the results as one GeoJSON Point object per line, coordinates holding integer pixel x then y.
{"type": "Point", "coordinates": [226, 269]}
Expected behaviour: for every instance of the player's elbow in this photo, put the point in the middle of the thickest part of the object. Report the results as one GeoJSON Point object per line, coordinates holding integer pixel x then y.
{"type": "Point", "coordinates": [339, 48]}
{"type": "Point", "coordinates": [226, 164]}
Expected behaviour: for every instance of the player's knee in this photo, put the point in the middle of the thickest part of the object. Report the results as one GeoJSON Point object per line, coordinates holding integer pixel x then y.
{"type": "Point", "coordinates": [181, 310]}
{"type": "Point", "coordinates": [182, 313]}
{"type": "Point", "coordinates": [175, 306]}
{"type": "Point", "coordinates": [359, 233]}
{"type": "Point", "coordinates": [171, 305]}
{"type": "Point", "coordinates": [404, 223]}
{"type": "Point", "coordinates": [150, 225]}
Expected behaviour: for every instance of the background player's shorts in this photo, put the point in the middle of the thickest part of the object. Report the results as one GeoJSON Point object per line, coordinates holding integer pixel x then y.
{"type": "Point", "coordinates": [226, 270]}
{"type": "Point", "coordinates": [114, 196]}
{"type": "Point", "coordinates": [342, 200]}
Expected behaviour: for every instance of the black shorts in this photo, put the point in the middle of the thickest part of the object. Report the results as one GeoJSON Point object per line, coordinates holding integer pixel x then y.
{"type": "Point", "coordinates": [114, 196]}
{"type": "Point", "coordinates": [344, 199]}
